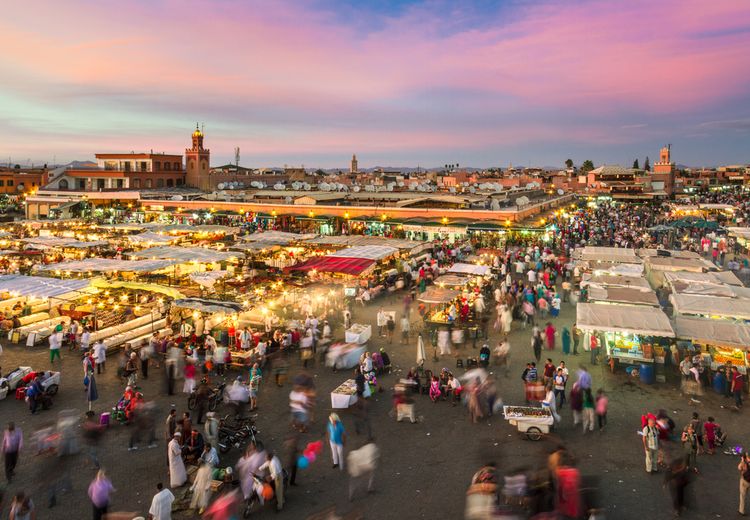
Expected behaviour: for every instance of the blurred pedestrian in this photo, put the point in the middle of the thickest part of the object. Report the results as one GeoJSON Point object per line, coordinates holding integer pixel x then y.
{"type": "Point", "coordinates": [677, 479]}
{"type": "Point", "coordinates": [12, 445]}
{"type": "Point", "coordinates": [99, 491]}
{"type": "Point", "coordinates": [602, 403]}
{"type": "Point", "coordinates": [22, 508]}
{"type": "Point", "coordinates": [744, 468]}
{"type": "Point", "coordinates": [361, 465]}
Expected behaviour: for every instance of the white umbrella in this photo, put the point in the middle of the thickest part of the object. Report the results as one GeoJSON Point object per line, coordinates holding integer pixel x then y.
{"type": "Point", "coordinates": [420, 351]}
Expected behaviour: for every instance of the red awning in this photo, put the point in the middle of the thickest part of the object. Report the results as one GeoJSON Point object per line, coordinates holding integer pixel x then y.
{"type": "Point", "coordinates": [332, 264]}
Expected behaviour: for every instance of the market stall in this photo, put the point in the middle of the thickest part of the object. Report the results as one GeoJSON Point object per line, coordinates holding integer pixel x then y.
{"type": "Point", "coordinates": [721, 342]}
{"type": "Point", "coordinates": [629, 333]}
{"type": "Point", "coordinates": [345, 395]}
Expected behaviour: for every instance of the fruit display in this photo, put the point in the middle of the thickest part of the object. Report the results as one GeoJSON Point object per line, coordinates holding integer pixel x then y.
{"type": "Point", "coordinates": [517, 412]}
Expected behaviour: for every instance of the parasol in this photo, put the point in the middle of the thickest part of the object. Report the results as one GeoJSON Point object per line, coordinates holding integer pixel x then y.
{"type": "Point", "coordinates": [420, 351]}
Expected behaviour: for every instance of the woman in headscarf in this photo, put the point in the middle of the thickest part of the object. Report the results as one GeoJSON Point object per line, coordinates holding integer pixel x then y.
{"type": "Point", "coordinates": [566, 340]}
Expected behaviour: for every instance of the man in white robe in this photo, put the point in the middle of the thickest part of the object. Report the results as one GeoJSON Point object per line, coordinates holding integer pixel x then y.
{"type": "Point", "coordinates": [177, 473]}
{"type": "Point", "coordinates": [161, 504]}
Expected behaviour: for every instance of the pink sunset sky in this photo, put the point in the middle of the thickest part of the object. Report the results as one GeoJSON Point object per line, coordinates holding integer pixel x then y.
{"type": "Point", "coordinates": [404, 83]}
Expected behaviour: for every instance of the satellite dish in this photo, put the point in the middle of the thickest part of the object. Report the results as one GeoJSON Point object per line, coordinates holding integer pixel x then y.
{"type": "Point", "coordinates": [400, 184]}
{"type": "Point", "coordinates": [296, 185]}
{"type": "Point", "coordinates": [176, 197]}
{"type": "Point", "coordinates": [356, 189]}
{"type": "Point", "coordinates": [530, 186]}
{"type": "Point", "coordinates": [288, 199]}
{"type": "Point", "coordinates": [307, 187]}
{"type": "Point", "coordinates": [324, 186]}
{"type": "Point", "coordinates": [472, 189]}
{"type": "Point", "coordinates": [561, 192]}
{"type": "Point", "coordinates": [221, 185]}
{"type": "Point", "coordinates": [278, 186]}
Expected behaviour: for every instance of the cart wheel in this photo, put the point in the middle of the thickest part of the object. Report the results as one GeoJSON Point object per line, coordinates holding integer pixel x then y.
{"type": "Point", "coordinates": [52, 389]}
{"type": "Point", "coordinates": [534, 433]}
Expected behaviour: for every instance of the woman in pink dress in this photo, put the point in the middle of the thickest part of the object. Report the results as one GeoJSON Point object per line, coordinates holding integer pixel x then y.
{"type": "Point", "coordinates": [550, 332]}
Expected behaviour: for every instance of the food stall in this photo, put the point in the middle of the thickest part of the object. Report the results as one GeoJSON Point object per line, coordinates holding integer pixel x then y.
{"type": "Point", "coordinates": [358, 334]}
{"type": "Point", "coordinates": [720, 342]}
{"type": "Point", "coordinates": [345, 395]}
{"type": "Point", "coordinates": [629, 334]}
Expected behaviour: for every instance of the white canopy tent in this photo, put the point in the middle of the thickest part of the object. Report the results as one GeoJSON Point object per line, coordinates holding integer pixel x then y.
{"type": "Point", "coordinates": [618, 255]}
{"type": "Point", "coordinates": [368, 252]}
{"type": "Point", "coordinates": [151, 238]}
{"type": "Point", "coordinates": [185, 254]}
{"type": "Point", "coordinates": [634, 270]}
{"type": "Point", "coordinates": [732, 308]}
{"type": "Point", "coordinates": [472, 269]}
{"type": "Point", "coordinates": [281, 238]}
{"type": "Point", "coordinates": [39, 287]}
{"type": "Point", "coordinates": [626, 319]}
{"type": "Point", "coordinates": [49, 242]}
{"type": "Point", "coordinates": [713, 332]}
{"type": "Point", "coordinates": [715, 277]}
{"type": "Point", "coordinates": [608, 280]}
{"type": "Point", "coordinates": [108, 265]}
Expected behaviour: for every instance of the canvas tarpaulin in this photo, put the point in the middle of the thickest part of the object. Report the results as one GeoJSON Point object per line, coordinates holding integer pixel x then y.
{"type": "Point", "coordinates": [711, 306]}
{"type": "Point", "coordinates": [473, 269]}
{"type": "Point", "coordinates": [329, 264]}
{"type": "Point", "coordinates": [713, 332]}
{"type": "Point", "coordinates": [625, 319]}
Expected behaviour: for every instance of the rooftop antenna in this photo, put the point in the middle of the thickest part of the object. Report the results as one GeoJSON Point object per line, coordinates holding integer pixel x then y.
{"type": "Point", "coordinates": [203, 126]}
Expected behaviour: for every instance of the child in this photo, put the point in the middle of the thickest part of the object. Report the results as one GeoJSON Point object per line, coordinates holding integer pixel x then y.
{"type": "Point", "coordinates": [602, 402]}
{"type": "Point", "coordinates": [435, 389]}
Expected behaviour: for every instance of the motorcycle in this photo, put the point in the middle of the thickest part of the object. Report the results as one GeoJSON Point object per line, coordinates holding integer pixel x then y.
{"type": "Point", "coordinates": [214, 399]}
{"type": "Point", "coordinates": [236, 436]}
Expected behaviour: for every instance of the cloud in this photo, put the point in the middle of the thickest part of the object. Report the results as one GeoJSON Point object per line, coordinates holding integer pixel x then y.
{"type": "Point", "coordinates": [309, 76]}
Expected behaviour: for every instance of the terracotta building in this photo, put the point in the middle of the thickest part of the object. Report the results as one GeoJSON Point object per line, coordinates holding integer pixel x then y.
{"type": "Point", "coordinates": [15, 181]}
{"type": "Point", "coordinates": [126, 171]}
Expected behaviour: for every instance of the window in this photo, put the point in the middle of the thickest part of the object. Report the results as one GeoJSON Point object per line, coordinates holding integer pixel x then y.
{"type": "Point", "coordinates": [10, 182]}
{"type": "Point", "coordinates": [120, 183]}
{"type": "Point", "coordinates": [144, 166]}
{"type": "Point", "coordinates": [136, 183]}
{"type": "Point", "coordinates": [204, 165]}
{"type": "Point", "coordinates": [63, 184]}
{"type": "Point", "coordinates": [100, 183]}
{"type": "Point", "coordinates": [2, 183]}
{"type": "Point", "coordinates": [127, 166]}
{"type": "Point", "coordinates": [177, 166]}
{"type": "Point", "coordinates": [149, 183]}
{"type": "Point", "coordinates": [167, 166]}
{"type": "Point", "coordinates": [157, 166]}
{"type": "Point", "coordinates": [159, 183]}
{"type": "Point", "coordinates": [110, 165]}
{"type": "Point", "coordinates": [81, 184]}
{"type": "Point", "coordinates": [179, 182]}
{"type": "Point", "coordinates": [170, 183]}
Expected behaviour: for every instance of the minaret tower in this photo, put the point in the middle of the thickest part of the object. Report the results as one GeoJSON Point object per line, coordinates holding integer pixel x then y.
{"type": "Point", "coordinates": [197, 161]}
{"type": "Point", "coordinates": [354, 168]}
